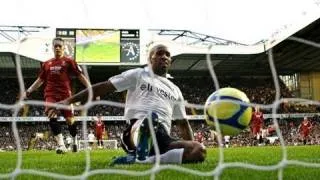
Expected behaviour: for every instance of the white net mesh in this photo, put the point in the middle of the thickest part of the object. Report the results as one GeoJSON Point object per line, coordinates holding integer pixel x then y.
{"type": "Point", "coordinates": [216, 172]}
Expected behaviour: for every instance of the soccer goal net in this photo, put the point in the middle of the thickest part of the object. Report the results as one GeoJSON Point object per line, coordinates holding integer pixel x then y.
{"type": "Point", "coordinates": [201, 64]}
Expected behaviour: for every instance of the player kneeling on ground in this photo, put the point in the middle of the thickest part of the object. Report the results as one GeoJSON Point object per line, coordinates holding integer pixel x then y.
{"type": "Point", "coordinates": [151, 97]}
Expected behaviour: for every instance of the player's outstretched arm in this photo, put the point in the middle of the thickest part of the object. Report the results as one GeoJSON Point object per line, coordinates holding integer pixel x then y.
{"type": "Point", "coordinates": [185, 129]}
{"type": "Point", "coordinates": [37, 83]}
{"type": "Point", "coordinates": [98, 89]}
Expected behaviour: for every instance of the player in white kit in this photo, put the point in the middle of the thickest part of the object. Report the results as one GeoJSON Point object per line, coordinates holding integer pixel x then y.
{"type": "Point", "coordinates": [151, 97]}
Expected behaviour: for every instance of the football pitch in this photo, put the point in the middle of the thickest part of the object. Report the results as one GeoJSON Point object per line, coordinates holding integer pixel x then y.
{"type": "Point", "coordinates": [75, 166]}
{"type": "Point", "coordinates": [102, 52]}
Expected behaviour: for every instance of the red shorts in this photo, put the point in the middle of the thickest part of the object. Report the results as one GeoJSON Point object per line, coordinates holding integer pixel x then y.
{"type": "Point", "coordinates": [99, 135]}
{"type": "Point", "coordinates": [64, 112]}
{"type": "Point", "coordinates": [255, 130]}
{"type": "Point", "coordinates": [305, 133]}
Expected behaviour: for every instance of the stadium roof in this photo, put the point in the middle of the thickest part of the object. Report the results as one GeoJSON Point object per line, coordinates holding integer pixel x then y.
{"type": "Point", "coordinates": [231, 34]}
{"type": "Point", "coordinates": [245, 21]}
{"type": "Point", "coordinates": [290, 56]}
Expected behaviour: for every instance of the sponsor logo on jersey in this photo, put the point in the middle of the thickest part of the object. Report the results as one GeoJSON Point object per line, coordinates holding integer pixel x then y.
{"type": "Point", "coordinates": [160, 91]}
{"type": "Point", "coordinates": [55, 69]}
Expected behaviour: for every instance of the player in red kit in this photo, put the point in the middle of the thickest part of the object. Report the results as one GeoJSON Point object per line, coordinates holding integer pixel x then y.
{"type": "Point", "coordinates": [100, 130]}
{"type": "Point", "coordinates": [56, 74]}
{"type": "Point", "coordinates": [256, 122]}
{"type": "Point", "coordinates": [304, 129]}
{"type": "Point", "coordinates": [199, 137]}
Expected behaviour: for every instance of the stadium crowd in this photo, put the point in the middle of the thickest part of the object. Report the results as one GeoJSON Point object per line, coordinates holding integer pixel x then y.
{"type": "Point", "coordinates": [194, 89]}
{"type": "Point", "coordinates": [39, 131]}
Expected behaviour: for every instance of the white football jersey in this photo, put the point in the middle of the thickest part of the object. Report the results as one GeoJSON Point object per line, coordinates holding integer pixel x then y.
{"type": "Point", "coordinates": [226, 138]}
{"type": "Point", "coordinates": [146, 94]}
{"type": "Point", "coordinates": [91, 137]}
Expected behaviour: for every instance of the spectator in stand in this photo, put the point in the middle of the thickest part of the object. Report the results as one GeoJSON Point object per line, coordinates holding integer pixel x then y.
{"type": "Point", "coordinates": [260, 91]}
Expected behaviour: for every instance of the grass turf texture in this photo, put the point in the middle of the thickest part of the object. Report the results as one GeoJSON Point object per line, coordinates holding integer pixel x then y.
{"type": "Point", "coordinates": [98, 53]}
{"type": "Point", "coordinates": [74, 164]}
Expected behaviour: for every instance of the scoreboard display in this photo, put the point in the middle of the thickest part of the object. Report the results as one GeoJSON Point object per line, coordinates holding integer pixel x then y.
{"type": "Point", "coordinates": [102, 46]}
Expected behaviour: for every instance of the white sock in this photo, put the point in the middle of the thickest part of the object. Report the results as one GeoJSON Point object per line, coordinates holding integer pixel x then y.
{"type": "Point", "coordinates": [75, 140]}
{"type": "Point", "coordinates": [173, 156]}
{"type": "Point", "coordinates": [59, 139]}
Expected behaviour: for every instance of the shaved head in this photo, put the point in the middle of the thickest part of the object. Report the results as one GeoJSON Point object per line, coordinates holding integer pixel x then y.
{"type": "Point", "coordinates": [155, 48]}
{"type": "Point", "coordinates": [160, 59]}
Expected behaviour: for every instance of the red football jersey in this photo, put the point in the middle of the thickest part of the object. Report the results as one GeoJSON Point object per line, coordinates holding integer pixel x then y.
{"type": "Point", "coordinates": [199, 137]}
{"type": "Point", "coordinates": [305, 126]}
{"type": "Point", "coordinates": [99, 127]}
{"type": "Point", "coordinates": [257, 119]}
{"type": "Point", "coordinates": [56, 74]}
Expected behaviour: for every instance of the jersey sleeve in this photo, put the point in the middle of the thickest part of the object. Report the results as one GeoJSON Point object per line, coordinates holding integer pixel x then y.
{"type": "Point", "coordinates": [42, 73]}
{"type": "Point", "coordinates": [75, 68]}
{"type": "Point", "coordinates": [179, 109]}
{"type": "Point", "coordinates": [125, 80]}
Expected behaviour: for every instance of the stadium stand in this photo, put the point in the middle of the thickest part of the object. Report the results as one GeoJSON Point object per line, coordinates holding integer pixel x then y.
{"type": "Point", "coordinates": [195, 89]}
{"type": "Point", "coordinates": [251, 78]}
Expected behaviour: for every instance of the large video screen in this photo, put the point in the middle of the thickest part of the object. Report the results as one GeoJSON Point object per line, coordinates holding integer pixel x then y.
{"type": "Point", "coordinates": [97, 46]}
{"type": "Point", "coordinates": [102, 46]}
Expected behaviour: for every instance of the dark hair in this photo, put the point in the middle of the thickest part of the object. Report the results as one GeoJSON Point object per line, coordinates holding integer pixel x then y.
{"type": "Point", "coordinates": [57, 39]}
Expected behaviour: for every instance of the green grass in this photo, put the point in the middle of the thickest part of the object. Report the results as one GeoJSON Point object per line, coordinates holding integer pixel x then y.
{"type": "Point", "coordinates": [74, 165]}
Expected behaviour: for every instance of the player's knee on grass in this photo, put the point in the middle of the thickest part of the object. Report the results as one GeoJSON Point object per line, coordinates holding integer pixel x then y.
{"type": "Point", "coordinates": [55, 126]}
{"type": "Point", "coordinates": [134, 133]}
{"type": "Point", "coordinates": [126, 139]}
{"type": "Point", "coordinates": [194, 152]}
